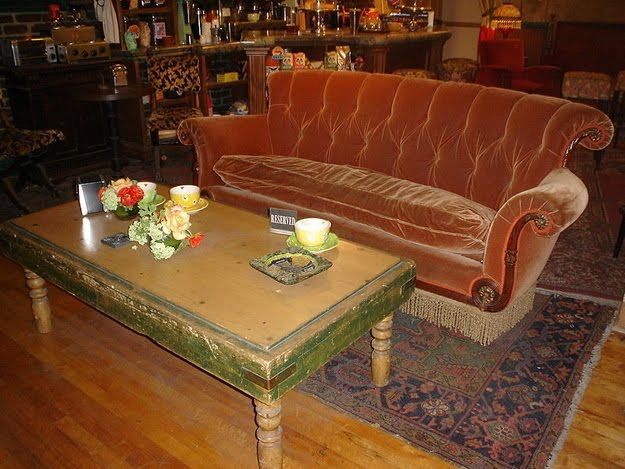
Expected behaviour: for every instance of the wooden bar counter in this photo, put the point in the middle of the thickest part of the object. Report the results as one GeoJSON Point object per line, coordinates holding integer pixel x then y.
{"type": "Point", "coordinates": [382, 52]}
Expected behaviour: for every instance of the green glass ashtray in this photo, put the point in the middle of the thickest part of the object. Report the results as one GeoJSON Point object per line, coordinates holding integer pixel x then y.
{"type": "Point", "coordinates": [290, 266]}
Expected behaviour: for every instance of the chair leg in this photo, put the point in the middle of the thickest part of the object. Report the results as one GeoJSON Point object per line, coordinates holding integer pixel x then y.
{"type": "Point", "coordinates": [9, 187]}
{"type": "Point", "coordinates": [156, 148]}
{"type": "Point", "coordinates": [44, 180]}
{"type": "Point", "coordinates": [598, 154]}
{"type": "Point", "coordinates": [621, 234]}
{"type": "Point", "coordinates": [618, 111]}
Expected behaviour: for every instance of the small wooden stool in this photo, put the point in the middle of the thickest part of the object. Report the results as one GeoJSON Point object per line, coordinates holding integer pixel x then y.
{"type": "Point", "coordinates": [590, 86]}
{"type": "Point", "coordinates": [621, 233]}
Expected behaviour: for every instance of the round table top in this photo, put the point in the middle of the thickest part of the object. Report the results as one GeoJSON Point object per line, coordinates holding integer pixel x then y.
{"type": "Point", "coordinates": [98, 93]}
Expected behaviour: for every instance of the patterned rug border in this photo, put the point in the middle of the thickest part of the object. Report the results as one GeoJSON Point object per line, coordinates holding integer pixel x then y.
{"type": "Point", "coordinates": [614, 302]}
{"type": "Point", "coordinates": [586, 375]}
{"type": "Point", "coordinates": [582, 377]}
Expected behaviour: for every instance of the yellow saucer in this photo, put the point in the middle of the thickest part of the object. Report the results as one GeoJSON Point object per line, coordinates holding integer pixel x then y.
{"type": "Point", "coordinates": [331, 243]}
{"type": "Point", "coordinates": [202, 203]}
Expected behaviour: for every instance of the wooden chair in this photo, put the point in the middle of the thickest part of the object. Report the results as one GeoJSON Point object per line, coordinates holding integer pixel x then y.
{"type": "Point", "coordinates": [20, 152]}
{"type": "Point", "coordinates": [176, 83]}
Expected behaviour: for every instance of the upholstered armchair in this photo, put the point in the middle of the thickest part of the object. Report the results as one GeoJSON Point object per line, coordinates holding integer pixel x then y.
{"type": "Point", "coordinates": [457, 69]}
{"type": "Point", "coordinates": [20, 152]}
{"type": "Point", "coordinates": [502, 64]}
{"type": "Point", "coordinates": [176, 83]}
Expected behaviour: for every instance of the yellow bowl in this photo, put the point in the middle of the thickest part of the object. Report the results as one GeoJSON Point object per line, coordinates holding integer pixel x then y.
{"type": "Point", "coordinates": [312, 231]}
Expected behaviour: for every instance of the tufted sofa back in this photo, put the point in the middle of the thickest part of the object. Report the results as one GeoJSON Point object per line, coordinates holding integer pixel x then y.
{"type": "Point", "coordinates": [486, 144]}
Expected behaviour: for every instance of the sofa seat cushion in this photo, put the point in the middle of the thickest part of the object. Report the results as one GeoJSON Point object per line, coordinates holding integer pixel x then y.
{"type": "Point", "coordinates": [412, 211]}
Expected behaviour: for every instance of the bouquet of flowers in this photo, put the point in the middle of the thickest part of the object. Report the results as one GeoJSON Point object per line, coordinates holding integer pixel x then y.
{"type": "Point", "coordinates": [123, 196]}
{"type": "Point", "coordinates": [166, 231]}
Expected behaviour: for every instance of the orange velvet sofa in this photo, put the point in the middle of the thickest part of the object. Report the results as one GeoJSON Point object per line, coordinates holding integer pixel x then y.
{"type": "Point", "coordinates": [468, 181]}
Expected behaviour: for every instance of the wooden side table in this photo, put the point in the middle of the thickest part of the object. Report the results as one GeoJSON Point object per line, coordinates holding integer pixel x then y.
{"type": "Point", "coordinates": [109, 96]}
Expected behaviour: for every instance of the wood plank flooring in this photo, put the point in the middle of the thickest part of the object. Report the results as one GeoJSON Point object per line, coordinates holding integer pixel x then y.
{"type": "Point", "coordinates": [95, 394]}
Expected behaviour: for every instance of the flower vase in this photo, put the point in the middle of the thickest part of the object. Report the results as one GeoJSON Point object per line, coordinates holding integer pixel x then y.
{"type": "Point", "coordinates": [126, 213]}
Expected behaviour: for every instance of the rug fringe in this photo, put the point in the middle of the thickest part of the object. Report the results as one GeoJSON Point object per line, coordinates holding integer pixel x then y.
{"type": "Point", "coordinates": [586, 374]}
{"type": "Point", "coordinates": [480, 326]}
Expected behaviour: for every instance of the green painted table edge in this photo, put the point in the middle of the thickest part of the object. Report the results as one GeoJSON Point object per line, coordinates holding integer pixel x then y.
{"type": "Point", "coordinates": [264, 375]}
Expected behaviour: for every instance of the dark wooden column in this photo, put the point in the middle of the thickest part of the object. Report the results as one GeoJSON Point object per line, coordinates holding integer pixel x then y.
{"type": "Point", "coordinates": [377, 58]}
{"type": "Point", "coordinates": [257, 82]}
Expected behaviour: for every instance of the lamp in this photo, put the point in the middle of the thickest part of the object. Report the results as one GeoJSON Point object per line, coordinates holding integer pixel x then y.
{"type": "Point", "coordinates": [506, 17]}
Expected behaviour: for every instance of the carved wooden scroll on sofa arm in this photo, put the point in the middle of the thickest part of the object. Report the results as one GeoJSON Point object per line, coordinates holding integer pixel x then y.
{"type": "Point", "coordinates": [523, 234]}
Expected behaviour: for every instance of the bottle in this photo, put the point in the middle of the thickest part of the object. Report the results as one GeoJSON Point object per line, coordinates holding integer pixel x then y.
{"type": "Point", "coordinates": [186, 12]}
{"type": "Point", "coordinates": [159, 29]}
{"type": "Point", "coordinates": [199, 19]}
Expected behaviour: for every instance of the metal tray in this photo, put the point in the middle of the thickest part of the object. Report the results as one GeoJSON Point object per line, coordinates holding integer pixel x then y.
{"type": "Point", "coordinates": [291, 266]}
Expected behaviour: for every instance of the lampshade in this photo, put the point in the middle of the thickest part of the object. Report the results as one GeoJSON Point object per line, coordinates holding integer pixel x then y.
{"type": "Point", "coordinates": [506, 16]}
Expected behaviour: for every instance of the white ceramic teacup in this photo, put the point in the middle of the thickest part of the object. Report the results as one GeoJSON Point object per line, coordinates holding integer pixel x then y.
{"type": "Point", "coordinates": [186, 196]}
{"type": "Point", "coordinates": [312, 231]}
{"type": "Point", "coordinates": [147, 186]}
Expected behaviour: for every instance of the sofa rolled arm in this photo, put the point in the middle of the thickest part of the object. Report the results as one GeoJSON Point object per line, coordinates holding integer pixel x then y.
{"type": "Point", "coordinates": [574, 124]}
{"type": "Point", "coordinates": [522, 236]}
{"type": "Point", "coordinates": [214, 137]}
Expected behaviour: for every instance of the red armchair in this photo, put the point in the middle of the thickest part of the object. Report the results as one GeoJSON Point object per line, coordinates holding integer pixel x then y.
{"type": "Point", "coordinates": [502, 64]}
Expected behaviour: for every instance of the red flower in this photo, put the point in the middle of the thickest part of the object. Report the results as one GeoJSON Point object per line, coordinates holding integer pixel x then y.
{"type": "Point", "coordinates": [129, 196]}
{"type": "Point", "coordinates": [100, 192]}
{"type": "Point", "coordinates": [195, 240]}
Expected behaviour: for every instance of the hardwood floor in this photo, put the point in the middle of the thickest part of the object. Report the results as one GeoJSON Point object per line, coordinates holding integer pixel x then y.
{"type": "Point", "coordinates": [94, 394]}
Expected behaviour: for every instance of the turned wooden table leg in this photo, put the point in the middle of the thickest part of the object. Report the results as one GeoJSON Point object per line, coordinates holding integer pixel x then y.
{"type": "Point", "coordinates": [381, 354]}
{"type": "Point", "coordinates": [269, 434]}
{"type": "Point", "coordinates": [40, 304]}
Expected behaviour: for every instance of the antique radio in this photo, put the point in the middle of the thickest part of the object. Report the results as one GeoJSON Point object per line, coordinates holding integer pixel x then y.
{"type": "Point", "coordinates": [76, 52]}
{"type": "Point", "coordinates": [28, 51]}
{"type": "Point", "coordinates": [67, 34]}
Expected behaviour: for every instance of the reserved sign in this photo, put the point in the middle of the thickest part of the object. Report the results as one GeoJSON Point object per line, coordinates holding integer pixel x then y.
{"type": "Point", "coordinates": [282, 221]}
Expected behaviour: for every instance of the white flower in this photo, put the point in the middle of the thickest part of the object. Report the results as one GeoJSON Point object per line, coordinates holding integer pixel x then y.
{"type": "Point", "coordinates": [162, 251]}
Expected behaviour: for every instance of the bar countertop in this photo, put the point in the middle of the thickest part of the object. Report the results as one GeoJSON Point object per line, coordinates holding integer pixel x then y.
{"type": "Point", "coordinates": [345, 36]}
{"type": "Point", "coordinates": [269, 38]}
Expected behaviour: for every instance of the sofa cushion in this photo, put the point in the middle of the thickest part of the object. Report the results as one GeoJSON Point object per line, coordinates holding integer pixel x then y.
{"type": "Point", "coordinates": [412, 211]}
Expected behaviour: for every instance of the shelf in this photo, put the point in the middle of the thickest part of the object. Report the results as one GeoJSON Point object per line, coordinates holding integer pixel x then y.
{"type": "Point", "coordinates": [146, 11]}
{"type": "Point", "coordinates": [210, 85]}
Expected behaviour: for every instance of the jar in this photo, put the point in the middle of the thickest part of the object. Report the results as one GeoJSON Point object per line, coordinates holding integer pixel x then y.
{"type": "Point", "coordinates": [120, 75]}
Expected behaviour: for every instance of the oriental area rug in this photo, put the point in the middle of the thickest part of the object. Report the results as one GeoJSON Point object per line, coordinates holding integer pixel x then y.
{"type": "Point", "coordinates": [581, 261]}
{"type": "Point", "coordinates": [503, 406]}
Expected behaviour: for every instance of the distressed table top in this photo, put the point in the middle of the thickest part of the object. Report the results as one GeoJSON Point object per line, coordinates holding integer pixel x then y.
{"type": "Point", "coordinates": [207, 304]}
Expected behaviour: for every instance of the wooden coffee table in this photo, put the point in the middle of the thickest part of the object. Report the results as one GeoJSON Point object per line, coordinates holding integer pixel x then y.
{"type": "Point", "coordinates": [210, 307]}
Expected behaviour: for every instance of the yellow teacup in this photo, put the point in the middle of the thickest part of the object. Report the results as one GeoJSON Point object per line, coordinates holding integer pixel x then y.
{"type": "Point", "coordinates": [186, 196]}
{"type": "Point", "coordinates": [312, 231]}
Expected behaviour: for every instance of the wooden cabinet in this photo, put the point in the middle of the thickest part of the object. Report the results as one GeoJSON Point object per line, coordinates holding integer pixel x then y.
{"type": "Point", "coordinates": [160, 15]}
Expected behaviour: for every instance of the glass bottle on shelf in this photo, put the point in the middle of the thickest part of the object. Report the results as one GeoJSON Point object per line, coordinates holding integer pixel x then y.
{"type": "Point", "coordinates": [145, 3]}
